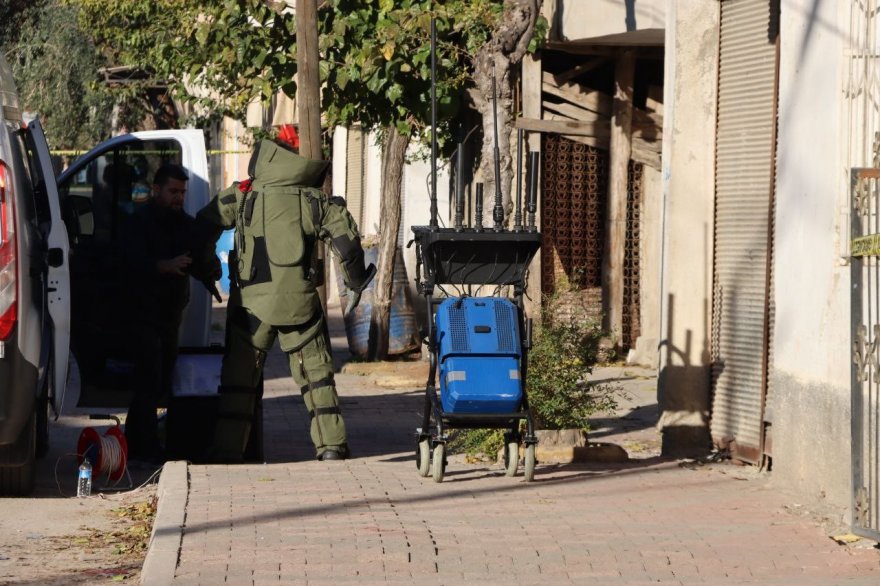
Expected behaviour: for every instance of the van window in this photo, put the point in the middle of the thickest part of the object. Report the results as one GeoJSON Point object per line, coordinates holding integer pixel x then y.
{"type": "Point", "coordinates": [32, 176]}
{"type": "Point", "coordinates": [111, 186]}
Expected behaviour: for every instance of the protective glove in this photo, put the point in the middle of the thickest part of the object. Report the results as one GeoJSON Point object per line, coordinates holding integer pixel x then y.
{"type": "Point", "coordinates": [354, 293]}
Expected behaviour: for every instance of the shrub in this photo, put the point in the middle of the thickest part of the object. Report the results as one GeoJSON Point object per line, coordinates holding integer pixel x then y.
{"type": "Point", "coordinates": [564, 353]}
{"type": "Point", "coordinates": [566, 348]}
{"type": "Point", "coordinates": [476, 443]}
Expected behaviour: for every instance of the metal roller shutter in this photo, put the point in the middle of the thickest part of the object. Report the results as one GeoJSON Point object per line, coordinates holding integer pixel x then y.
{"type": "Point", "coordinates": [745, 152]}
{"type": "Point", "coordinates": [354, 175]}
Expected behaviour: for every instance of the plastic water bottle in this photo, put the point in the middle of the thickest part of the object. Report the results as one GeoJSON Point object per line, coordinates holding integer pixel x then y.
{"type": "Point", "coordinates": [84, 485]}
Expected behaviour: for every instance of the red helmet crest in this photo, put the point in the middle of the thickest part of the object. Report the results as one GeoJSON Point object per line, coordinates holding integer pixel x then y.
{"type": "Point", "coordinates": [288, 135]}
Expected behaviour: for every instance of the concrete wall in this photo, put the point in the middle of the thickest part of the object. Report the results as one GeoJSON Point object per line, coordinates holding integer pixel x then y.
{"type": "Point", "coordinates": [688, 191]}
{"type": "Point", "coordinates": [581, 19]}
{"type": "Point", "coordinates": [645, 352]}
{"type": "Point", "coordinates": [809, 404]}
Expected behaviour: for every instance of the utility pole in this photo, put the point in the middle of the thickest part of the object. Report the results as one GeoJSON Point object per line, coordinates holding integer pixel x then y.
{"type": "Point", "coordinates": [308, 94]}
{"type": "Point", "coordinates": [308, 91]}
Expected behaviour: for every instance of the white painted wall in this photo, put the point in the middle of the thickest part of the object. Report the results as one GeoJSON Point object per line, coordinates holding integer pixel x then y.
{"type": "Point", "coordinates": [688, 192]}
{"type": "Point", "coordinates": [812, 335]}
{"type": "Point", "coordinates": [581, 19]}
{"type": "Point", "coordinates": [417, 211]}
{"type": "Point", "coordinates": [809, 403]}
{"type": "Point", "coordinates": [237, 152]}
{"type": "Point", "coordinates": [416, 190]}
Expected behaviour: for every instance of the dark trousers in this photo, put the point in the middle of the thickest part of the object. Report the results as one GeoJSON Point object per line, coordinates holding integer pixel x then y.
{"type": "Point", "coordinates": [153, 349]}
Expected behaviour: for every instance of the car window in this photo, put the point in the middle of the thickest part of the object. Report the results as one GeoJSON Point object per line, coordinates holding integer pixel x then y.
{"type": "Point", "coordinates": [111, 186]}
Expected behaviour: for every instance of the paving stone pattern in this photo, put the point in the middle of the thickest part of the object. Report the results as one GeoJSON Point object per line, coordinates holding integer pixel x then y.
{"type": "Point", "coordinates": [373, 519]}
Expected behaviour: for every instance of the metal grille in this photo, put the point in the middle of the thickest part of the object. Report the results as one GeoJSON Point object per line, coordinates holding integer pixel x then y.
{"type": "Point", "coordinates": [573, 208]}
{"type": "Point", "coordinates": [631, 269]}
{"type": "Point", "coordinates": [572, 214]}
{"type": "Point", "coordinates": [743, 200]}
{"type": "Point", "coordinates": [865, 195]}
{"type": "Point", "coordinates": [504, 322]}
{"type": "Point", "coordinates": [459, 333]}
{"type": "Point", "coordinates": [862, 105]}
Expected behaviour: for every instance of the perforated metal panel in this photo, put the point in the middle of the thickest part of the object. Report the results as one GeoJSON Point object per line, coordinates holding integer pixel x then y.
{"type": "Point", "coordinates": [504, 317]}
{"type": "Point", "coordinates": [459, 333]}
{"type": "Point", "coordinates": [573, 206]}
{"type": "Point", "coordinates": [745, 152]}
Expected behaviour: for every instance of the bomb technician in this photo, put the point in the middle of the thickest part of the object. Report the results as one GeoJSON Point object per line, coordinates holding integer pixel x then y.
{"type": "Point", "coordinates": [280, 214]}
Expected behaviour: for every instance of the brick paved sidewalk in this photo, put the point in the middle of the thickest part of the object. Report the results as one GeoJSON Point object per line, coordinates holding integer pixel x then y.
{"type": "Point", "coordinates": [373, 519]}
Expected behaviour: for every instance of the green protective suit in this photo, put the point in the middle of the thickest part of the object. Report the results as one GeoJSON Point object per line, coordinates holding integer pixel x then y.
{"type": "Point", "coordinates": [279, 216]}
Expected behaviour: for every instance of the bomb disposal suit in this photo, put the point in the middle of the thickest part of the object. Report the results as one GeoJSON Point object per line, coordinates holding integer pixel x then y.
{"type": "Point", "coordinates": [279, 216]}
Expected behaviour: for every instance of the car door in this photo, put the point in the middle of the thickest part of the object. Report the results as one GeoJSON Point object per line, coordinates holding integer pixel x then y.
{"type": "Point", "coordinates": [97, 192]}
{"type": "Point", "coordinates": [58, 277]}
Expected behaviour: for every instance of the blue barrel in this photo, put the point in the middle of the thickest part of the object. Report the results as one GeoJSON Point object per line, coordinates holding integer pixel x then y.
{"type": "Point", "coordinates": [224, 245]}
{"type": "Point", "coordinates": [403, 335]}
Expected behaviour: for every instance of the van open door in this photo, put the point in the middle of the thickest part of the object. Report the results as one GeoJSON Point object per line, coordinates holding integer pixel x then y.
{"type": "Point", "coordinates": [57, 254]}
{"type": "Point", "coordinates": [97, 192]}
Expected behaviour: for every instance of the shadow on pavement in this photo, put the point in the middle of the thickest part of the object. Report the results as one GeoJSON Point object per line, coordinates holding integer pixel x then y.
{"type": "Point", "coordinates": [464, 478]}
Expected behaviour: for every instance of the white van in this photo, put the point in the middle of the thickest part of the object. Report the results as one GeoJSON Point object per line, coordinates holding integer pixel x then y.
{"type": "Point", "coordinates": [58, 269]}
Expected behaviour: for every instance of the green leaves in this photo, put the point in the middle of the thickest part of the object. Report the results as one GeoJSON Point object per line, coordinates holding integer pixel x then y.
{"type": "Point", "coordinates": [564, 353]}
{"type": "Point", "coordinates": [375, 55]}
{"type": "Point", "coordinates": [56, 65]}
{"type": "Point", "coordinates": [380, 54]}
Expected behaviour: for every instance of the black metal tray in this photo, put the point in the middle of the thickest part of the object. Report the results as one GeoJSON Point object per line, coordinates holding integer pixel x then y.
{"type": "Point", "coordinates": [468, 257]}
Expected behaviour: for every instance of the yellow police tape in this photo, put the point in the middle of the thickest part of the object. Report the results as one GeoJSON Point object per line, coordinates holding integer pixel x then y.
{"type": "Point", "coordinates": [69, 153]}
{"type": "Point", "coordinates": [865, 245]}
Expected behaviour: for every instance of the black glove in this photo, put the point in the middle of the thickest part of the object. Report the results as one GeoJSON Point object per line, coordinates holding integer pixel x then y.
{"type": "Point", "coordinates": [354, 293]}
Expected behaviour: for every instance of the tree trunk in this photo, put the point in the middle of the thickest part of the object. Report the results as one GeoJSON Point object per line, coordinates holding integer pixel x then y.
{"type": "Point", "coordinates": [393, 153]}
{"type": "Point", "coordinates": [507, 47]}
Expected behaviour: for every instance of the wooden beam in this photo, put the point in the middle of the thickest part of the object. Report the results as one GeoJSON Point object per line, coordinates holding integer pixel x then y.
{"type": "Point", "coordinates": [619, 153]}
{"type": "Point", "coordinates": [578, 94]}
{"type": "Point", "coordinates": [581, 69]}
{"type": "Point", "coordinates": [563, 127]}
{"type": "Point", "coordinates": [531, 97]}
{"type": "Point", "coordinates": [596, 134]}
{"type": "Point", "coordinates": [645, 154]}
{"type": "Point", "coordinates": [654, 101]}
{"type": "Point", "coordinates": [644, 123]}
{"type": "Point", "coordinates": [574, 112]}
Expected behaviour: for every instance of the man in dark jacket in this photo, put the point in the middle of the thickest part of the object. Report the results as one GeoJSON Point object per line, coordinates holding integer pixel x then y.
{"type": "Point", "coordinates": [160, 242]}
{"type": "Point", "coordinates": [279, 215]}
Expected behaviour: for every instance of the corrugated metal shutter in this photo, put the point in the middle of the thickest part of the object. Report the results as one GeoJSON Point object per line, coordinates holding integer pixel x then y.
{"type": "Point", "coordinates": [354, 174]}
{"type": "Point", "coordinates": [744, 195]}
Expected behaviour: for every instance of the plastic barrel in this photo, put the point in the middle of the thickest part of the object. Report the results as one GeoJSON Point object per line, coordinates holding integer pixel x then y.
{"type": "Point", "coordinates": [224, 245]}
{"type": "Point", "coordinates": [403, 334]}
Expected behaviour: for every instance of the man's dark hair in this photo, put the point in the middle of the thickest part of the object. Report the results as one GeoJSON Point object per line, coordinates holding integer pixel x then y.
{"type": "Point", "coordinates": [170, 171]}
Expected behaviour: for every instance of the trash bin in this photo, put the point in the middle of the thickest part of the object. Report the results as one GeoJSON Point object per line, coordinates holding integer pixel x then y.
{"type": "Point", "coordinates": [403, 332]}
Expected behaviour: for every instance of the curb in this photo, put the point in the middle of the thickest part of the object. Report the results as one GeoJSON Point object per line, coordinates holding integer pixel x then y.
{"type": "Point", "coordinates": [604, 453]}
{"type": "Point", "coordinates": [164, 549]}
